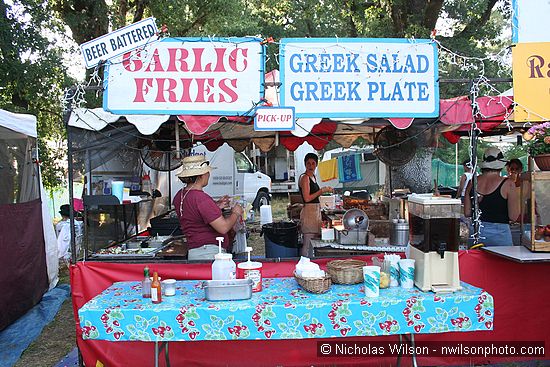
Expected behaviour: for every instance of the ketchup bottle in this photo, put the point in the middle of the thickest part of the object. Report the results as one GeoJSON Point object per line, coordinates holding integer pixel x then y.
{"type": "Point", "coordinates": [156, 292]}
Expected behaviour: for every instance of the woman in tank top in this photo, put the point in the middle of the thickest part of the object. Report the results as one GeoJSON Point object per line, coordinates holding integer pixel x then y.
{"type": "Point", "coordinates": [310, 216]}
{"type": "Point", "coordinates": [498, 199]}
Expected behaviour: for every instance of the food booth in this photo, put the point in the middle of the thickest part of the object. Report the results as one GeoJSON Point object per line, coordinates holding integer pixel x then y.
{"type": "Point", "coordinates": [494, 299]}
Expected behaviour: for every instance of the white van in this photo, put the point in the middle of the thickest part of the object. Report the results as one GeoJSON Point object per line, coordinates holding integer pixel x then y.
{"type": "Point", "coordinates": [233, 174]}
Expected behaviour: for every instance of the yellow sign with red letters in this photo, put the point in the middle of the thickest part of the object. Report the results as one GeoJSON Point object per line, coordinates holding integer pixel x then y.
{"type": "Point", "coordinates": [531, 72]}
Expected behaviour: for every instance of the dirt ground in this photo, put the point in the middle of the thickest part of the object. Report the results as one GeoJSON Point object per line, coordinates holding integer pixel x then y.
{"type": "Point", "coordinates": [58, 338]}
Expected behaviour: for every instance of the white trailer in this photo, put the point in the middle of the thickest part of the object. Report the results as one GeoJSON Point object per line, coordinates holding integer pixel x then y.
{"type": "Point", "coordinates": [285, 167]}
{"type": "Point", "coordinates": [233, 174]}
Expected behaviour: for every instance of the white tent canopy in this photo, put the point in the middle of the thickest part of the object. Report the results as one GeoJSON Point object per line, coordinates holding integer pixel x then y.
{"type": "Point", "coordinates": [17, 127]}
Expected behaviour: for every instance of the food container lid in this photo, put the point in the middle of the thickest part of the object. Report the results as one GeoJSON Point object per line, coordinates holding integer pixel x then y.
{"type": "Point", "coordinates": [432, 200]}
{"type": "Point", "coordinates": [250, 265]}
{"type": "Point", "coordinates": [223, 256]}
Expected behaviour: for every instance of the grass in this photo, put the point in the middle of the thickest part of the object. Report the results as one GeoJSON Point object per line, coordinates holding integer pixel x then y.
{"type": "Point", "coordinates": [58, 337]}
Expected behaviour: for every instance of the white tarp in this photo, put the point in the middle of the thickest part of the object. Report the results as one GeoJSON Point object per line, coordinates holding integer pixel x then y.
{"type": "Point", "coordinates": [24, 124]}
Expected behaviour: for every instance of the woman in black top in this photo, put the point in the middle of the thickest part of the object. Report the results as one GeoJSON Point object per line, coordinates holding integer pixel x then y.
{"type": "Point", "coordinates": [310, 216]}
{"type": "Point", "coordinates": [498, 199]}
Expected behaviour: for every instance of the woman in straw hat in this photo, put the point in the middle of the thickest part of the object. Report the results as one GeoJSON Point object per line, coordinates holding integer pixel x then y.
{"type": "Point", "coordinates": [498, 199]}
{"type": "Point", "coordinates": [200, 217]}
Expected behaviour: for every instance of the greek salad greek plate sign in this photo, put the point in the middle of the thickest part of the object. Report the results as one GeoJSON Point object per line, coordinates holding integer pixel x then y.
{"type": "Point", "coordinates": [118, 42]}
{"type": "Point", "coordinates": [359, 77]}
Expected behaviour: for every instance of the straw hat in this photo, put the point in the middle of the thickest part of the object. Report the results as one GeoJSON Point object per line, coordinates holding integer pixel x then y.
{"type": "Point", "coordinates": [194, 165]}
{"type": "Point", "coordinates": [493, 159]}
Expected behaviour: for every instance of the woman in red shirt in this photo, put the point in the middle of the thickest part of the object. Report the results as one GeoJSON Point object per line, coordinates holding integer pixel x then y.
{"type": "Point", "coordinates": [200, 217]}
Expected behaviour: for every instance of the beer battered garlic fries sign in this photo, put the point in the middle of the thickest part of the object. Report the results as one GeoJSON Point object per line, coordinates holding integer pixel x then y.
{"type": "Point", "coordinates": [356, 77]}
{"type": "Point", "coordinates": [218, 76]}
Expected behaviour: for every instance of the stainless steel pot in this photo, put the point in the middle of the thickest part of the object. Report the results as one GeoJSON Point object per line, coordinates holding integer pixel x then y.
{"type": "Point", "coordinates": [399, 234]}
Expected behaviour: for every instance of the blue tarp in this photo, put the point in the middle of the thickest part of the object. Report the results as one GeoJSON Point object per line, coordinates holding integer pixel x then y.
{"type": "Point", "coordinates": [18, 336]}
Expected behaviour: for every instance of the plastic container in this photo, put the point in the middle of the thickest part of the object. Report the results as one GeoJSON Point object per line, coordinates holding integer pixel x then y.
{"type": "Point", "coordinates": [281, 239]}
{"type": "Point", "coordinates": [227, 290]}
{"type": "Point", "coordinates": [169, 287]}
{"type": "Point", "coordinates": [251, 270]}
{"type": "Point", "coordinates": [223, 267]}
{"type": "Point", "coordinates": [117, 188]}
{"type": "Point", "coordinates": [266, 215]}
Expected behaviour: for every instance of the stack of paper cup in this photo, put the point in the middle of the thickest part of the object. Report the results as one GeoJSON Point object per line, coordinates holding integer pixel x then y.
{"type": "Point", "coordinates": [117, 189]}
{"type": "Point", "coordinates": [265, 214]}
{"type": "Point", "coordinates": [371, 275]}
{"type": "Point", "coordinates": [394, 269]}
{"type": "Point", "coordinates": [406, 273]}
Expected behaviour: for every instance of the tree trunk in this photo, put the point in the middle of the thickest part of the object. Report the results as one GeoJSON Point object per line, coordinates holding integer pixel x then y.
{"type": "Point", "coordinates": [415, 175]}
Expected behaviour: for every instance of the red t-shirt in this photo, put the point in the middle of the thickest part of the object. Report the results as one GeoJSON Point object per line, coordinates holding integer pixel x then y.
{"type": "Point", "coordinates": [197, 211]}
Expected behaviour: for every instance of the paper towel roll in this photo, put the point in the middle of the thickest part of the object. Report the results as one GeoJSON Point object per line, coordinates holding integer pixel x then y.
{"type": "Point", "coordinates": [265, 214]}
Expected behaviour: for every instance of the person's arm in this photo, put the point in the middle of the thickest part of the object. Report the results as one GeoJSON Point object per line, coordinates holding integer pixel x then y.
{"type": "Point", "coordinates": [304, 184]}
{"type": "Point", "coordinates": [467, 201]}
{"type": "Point", "coordinates": [512, 195]}
{"type": "Point", "coordinates": [461, 186]}
{"type": "Point", "coordinates": [223, 225]}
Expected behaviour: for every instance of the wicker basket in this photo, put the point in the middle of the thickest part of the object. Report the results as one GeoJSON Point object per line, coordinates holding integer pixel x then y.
{"type": "Point", "coordinates": [347, 271]}
{"type": "Point", "coordinates": [314, 285]}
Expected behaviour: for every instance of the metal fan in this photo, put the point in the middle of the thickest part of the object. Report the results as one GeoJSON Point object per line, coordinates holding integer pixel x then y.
{"type": "Point", "coordinates": [394, 147]}
{"type": "Point", "coordinates": [159, 152]}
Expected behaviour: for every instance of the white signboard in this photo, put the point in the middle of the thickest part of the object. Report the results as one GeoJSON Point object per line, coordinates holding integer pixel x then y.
{"type": "Point", "coordinates": [222, 76]}
{"type": "Point", "coordinates": [355, 77]}
{"type": "Point", "coordinates": [118, 42]}
{"type": "Point", "coordinates": [529, 21]}
{"type": "Point", "coordinates": [274, 119]}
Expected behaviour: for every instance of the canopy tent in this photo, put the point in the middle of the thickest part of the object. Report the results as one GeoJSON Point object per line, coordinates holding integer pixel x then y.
{"type": "Point", "coordinates": [456, 116]}
{"type": "Point", "coordinates": [28, 248]}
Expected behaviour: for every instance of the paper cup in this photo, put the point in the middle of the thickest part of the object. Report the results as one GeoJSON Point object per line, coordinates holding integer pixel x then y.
{"type": "Point", "coordinates": [394, 273]}
{"type": "Point", "coordinates": [406, 273]}
{"type": "Point", "coordinates": [169, 286]}
{"type": "Point", "coordinates": [371, 275]}
{"type": "Point", "coordinates": [117, 189]}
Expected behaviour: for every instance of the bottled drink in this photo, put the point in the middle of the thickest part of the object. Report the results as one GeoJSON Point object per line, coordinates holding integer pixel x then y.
{"type": "Point", "coordinates": [146, 284]}
{"type": "Point", "coordinates": [156, 291]}
{"type": "Point", "coordinates": [146, 183]}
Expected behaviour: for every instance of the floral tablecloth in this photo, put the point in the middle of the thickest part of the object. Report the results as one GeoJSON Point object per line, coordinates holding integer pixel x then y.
{"type": "Point", "coordinates": [281, 311]}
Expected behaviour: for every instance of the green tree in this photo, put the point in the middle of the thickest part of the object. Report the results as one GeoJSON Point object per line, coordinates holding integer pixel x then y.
{"type": "Point", "coordinates": [32, 75]}
{"type": "Point", "coordinates": [473, 28]}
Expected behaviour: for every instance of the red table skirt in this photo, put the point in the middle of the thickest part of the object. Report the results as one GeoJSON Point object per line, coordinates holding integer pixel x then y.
{"type": "Point", "coordinates": [521, 293]}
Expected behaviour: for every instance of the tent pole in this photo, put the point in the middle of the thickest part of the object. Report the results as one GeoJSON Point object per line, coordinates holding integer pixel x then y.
{"type": "Point", "coordinates": [169, 172]}
{"type": "Point", "coordinates": [67, 114]}
{"type": "Point", "coordinates": [456, 163]}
